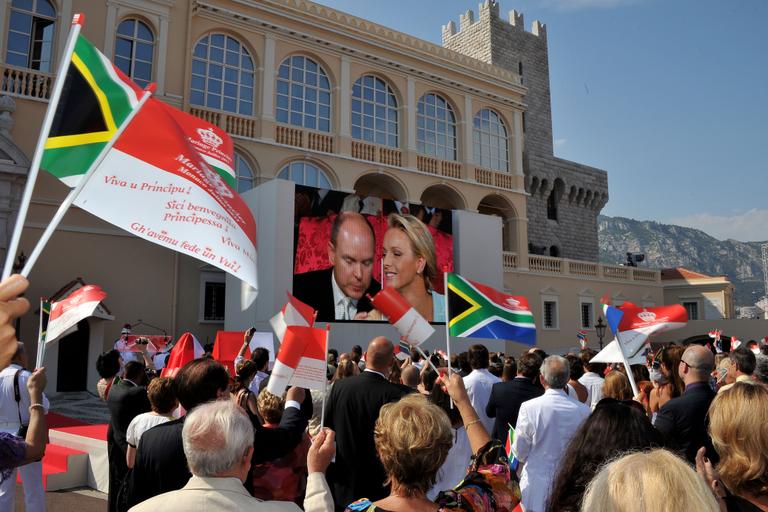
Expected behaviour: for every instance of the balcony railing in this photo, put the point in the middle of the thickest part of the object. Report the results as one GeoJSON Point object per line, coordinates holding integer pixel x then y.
{"type": "Point", "coordinates": [26, 83]}
{"type": "Point", "coordinates": [375, 153]}
{"type": "Point", "coordinates": [237, 126]}
{"type": "Point", "coordinates": [495, 179]}
{"type": "Point", "coordinates": [575, 268]}
{"type": "Point", "coordinates": [432, 165]}
{"type": "Point", "coordinates": [302, 138]}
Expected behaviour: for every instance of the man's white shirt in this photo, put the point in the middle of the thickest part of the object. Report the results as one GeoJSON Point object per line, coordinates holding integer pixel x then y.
{"type": "Point", "coordinates": [9, 409]}
{"type": "Point", "coordinates": [544, 428]}
{"type": "Point", "coordinates": [345, 308]}
{"type": "Point", "coordinates": [479, 383]}
{"type": "Point", "coordinates": [594, 384]}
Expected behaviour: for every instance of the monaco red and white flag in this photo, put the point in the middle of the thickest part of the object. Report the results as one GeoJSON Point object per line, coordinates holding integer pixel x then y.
{"type": "Point", "coordinates": [301, 360]}
{"type": "Point", "coordinates": [634, 324]}
{"type": "Point", "coordinates": [186, 349]}
{"type": "Point", "coordinates": [413, 328]}
{"type": "Point", "coordinates": [294, 312]}
{"type": "Point", "coordinates": [168, 180]}
{"type": "Point", "coordinates": [78, 305]}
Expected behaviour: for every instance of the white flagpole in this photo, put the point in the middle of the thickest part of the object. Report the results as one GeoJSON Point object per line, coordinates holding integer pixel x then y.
{"type": "Point", "coordinates": [57, 218]}
{"type": "Point", "coordinates": [428, 360]}
{"type": "Point", "coordinates": [325, 388]}
{"type": "Point", "coordinates": [447, 321]}
{"type": "Point", "coordinates": [34, 168]}
{"type": "Point", "coordinates": [624, 359]}
{"type": "Point", "coordinates": [40, 339]}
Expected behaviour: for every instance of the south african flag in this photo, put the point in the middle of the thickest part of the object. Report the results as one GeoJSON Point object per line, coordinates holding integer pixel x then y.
{"type": "Point", "coordinates": [479, 311]}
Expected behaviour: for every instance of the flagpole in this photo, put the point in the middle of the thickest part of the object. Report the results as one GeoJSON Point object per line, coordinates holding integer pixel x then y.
{"type": "Point", "coordinates": [41, 337]}
{"type": "Point", "coordinates": [428, 360]}
{"type": "Point", "coordinates": [628, 369]}
{"type": "Point", "coordinates": [70, 199]}
{"type": "Point", "coordinates": [447, 321]}
{"type": "Point", "coordinates": [34, 168]}
{"type": "Point", "coordinates": [325, 388]}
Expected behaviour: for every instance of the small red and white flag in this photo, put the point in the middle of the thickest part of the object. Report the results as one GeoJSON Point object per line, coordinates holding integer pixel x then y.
{"type": "Point", "coordinates": [735, 342]}
{"type": "Point", "coordinates": [186, 349]}
{"type": "Point", "coordinates": [294, 312]}
{"type": "Point", "coordinates": [413, 328]}
{"type": "Point", "coordinates": [79, 305]}
{"type": "Point", "coordinates": [301, 360]}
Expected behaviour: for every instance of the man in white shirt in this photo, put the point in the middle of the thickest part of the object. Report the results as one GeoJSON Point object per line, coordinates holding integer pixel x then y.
{"type": "Point", "coordinates": [592, 378]}
{"type": "Point", "coordinates": [123, 346]}
{"type": "Point", "coordinates": [479, 383]}
{"type": "Point", "coordinates": [544, 428]}
{"type": "Point", "coordinates": [12, 415]}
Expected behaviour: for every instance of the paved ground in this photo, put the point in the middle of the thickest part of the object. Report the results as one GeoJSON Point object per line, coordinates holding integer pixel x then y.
{"type": "Point", "coordinates": [79, 500]}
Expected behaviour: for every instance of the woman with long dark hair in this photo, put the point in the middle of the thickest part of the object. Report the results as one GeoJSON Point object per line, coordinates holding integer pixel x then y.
{"type": "Point", "coordinates": [613, 428]}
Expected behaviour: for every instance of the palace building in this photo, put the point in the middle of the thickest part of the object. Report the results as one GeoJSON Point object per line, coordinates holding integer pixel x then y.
{"type": "Point", "coordinates": [317, 97]}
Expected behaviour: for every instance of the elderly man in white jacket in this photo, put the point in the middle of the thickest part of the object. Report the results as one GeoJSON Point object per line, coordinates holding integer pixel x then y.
{"type": "Point", "coordinates": [544, 428]}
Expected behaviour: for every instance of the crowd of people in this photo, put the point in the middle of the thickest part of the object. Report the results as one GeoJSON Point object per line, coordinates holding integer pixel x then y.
{"type": "Point", "coordinates": [535, 432]}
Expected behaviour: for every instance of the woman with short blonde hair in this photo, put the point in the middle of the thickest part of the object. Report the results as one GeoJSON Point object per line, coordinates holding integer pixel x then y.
{"type": "Point", "coordinates": [738, 424]}
{"type": "Point", "coordinates": [655, 481]}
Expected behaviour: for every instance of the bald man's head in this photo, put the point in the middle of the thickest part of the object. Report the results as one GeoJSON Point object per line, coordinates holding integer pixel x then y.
{"type": "Point", "coordinates": [410, 376]}
{"type": "Point", "coordinates": [698, 364]}
{"type": "Point", "coordinates": [351, 251]}
{"type": "Point", "coordinates": [380, 354]}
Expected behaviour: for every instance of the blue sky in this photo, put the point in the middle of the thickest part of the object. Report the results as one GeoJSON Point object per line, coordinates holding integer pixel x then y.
{"type": "Point", "coordinates": [669, 96]}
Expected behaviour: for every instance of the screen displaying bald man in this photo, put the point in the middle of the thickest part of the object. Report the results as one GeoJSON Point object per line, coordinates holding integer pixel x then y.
{"type": "Point", "coordinates": [340, 292]}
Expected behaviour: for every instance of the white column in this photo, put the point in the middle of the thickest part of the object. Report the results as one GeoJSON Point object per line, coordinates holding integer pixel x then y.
{"type": "Point", "coordinates": [469, 154]}
{"type": "Point", "coordinates": [5, 8]}
{"type": "Point", "coordinates": [110, 27]}
{"type": "Point", "coordinates": [268, 81]}
{"type": "Point", "coordinates": [411, 113]}
{"type": "Point", "coordinates": [516, 141]}
{"type": "Point", "coordinates": [162, 56]}
{"type": "Point", "coordinates": [344, 98]}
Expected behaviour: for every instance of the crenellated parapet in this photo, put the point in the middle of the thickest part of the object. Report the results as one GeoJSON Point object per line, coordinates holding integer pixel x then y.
{"type": "Point", "coordinates": [488, 11]}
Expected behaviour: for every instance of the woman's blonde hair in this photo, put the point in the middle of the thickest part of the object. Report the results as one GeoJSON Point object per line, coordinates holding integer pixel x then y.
{"type": "Point", "coordinates": [421, 243]}
{"type": "Point", "coordinates": [412, 438]}
{"type": "Point", "coordinates": [655, 481]}
{"type": "Point", "coordinates": [270, 407]}
{"type": "Point", "coordinates": [738, 423]}
{"type": "Point", "coordinates": [617, 386]}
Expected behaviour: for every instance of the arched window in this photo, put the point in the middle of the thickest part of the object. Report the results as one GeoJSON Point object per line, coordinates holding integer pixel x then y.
{"type": "Point", "coordinates": [305, 173]}
{"type": "Point", "coordinates": [244, 174]}
{"type": "Point", "coordinates": [436, 127]}
{"type": "Point", "coordinates": [489, 140]}
{"type": "Point", "coordinates": [222, 75]}
{"type": "Point", "coordinates": [135, 50]}
{"type": "Point", "coordinates": [374, 111]}
{"type": "Point", "coordinates": [30, 34]}
{"type": "Point", "coordinates": [303, 94]}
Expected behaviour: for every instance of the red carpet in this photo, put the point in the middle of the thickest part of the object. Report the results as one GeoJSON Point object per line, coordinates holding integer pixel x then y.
{"type": "Point", "coordinates": [76, 427]}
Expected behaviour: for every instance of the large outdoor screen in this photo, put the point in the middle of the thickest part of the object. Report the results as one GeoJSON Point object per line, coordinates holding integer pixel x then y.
{"type": "Point", "coordinates": [346, 247]}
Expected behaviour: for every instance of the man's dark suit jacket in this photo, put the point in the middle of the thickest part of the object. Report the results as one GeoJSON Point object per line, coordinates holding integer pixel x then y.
{"type": "Point", "coordinates": [683, 421]}
{"type": "Point", "coordinates": [315, 288]}
{"type": "Point", "coordinates": [161, 465]}
{"type": "Point", "coordinates": [505, 401]}
{"type": "Point", "coordinates": [352, 408]}
{"type": "Point", "coordinates": [126, 401]}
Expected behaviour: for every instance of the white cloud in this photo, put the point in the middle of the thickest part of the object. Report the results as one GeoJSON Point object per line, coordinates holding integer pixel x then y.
{"type": "Point", "coordinates": [749, 226]}
{"type": "Point", "coordinates": [573, 5]}
{"type": "Point", "coordinates": [560, 142]}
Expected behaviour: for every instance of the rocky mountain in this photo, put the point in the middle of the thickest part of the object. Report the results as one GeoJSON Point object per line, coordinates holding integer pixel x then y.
{"type": "Point", "coordinates": [667, 245]}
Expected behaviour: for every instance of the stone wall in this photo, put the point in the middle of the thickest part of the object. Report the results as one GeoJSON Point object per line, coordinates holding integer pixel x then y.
{"type": "Point", "coordinates": [580, 191]}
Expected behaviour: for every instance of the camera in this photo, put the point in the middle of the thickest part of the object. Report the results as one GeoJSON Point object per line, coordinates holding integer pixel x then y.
{"type": "Point", "coordinates": [142, 341]}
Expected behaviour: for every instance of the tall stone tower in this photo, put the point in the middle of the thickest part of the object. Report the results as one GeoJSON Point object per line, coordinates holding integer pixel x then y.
{"type": "Point", "coordinates": [565, 197]}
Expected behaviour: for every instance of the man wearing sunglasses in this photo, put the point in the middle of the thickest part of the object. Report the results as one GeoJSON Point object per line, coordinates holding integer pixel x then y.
{"type": "Point", "coordinates": [683, 420]}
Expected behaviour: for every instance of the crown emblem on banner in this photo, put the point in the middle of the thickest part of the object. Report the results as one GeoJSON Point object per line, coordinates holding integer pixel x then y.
{"type": "Point", "coordinates": [209, 137]}
{"type": "Point", "coordinates": [647, 316]}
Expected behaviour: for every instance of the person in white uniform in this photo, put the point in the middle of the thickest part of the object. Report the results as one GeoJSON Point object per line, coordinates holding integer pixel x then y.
{"type": "Point", "coordinates": [479, 383]}
{"type": "Point", "coordinates": [13, 414]}
{"type": "Point", "coordinates": [544, 428]}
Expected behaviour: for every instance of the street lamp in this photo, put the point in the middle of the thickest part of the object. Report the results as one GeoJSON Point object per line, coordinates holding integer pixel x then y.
{"type": "Point", "coordinates": [600, 331]}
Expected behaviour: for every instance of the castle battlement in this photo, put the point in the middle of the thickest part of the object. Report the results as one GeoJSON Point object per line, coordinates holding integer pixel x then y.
{"type": "Point", "coordinates": [488, 10]}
